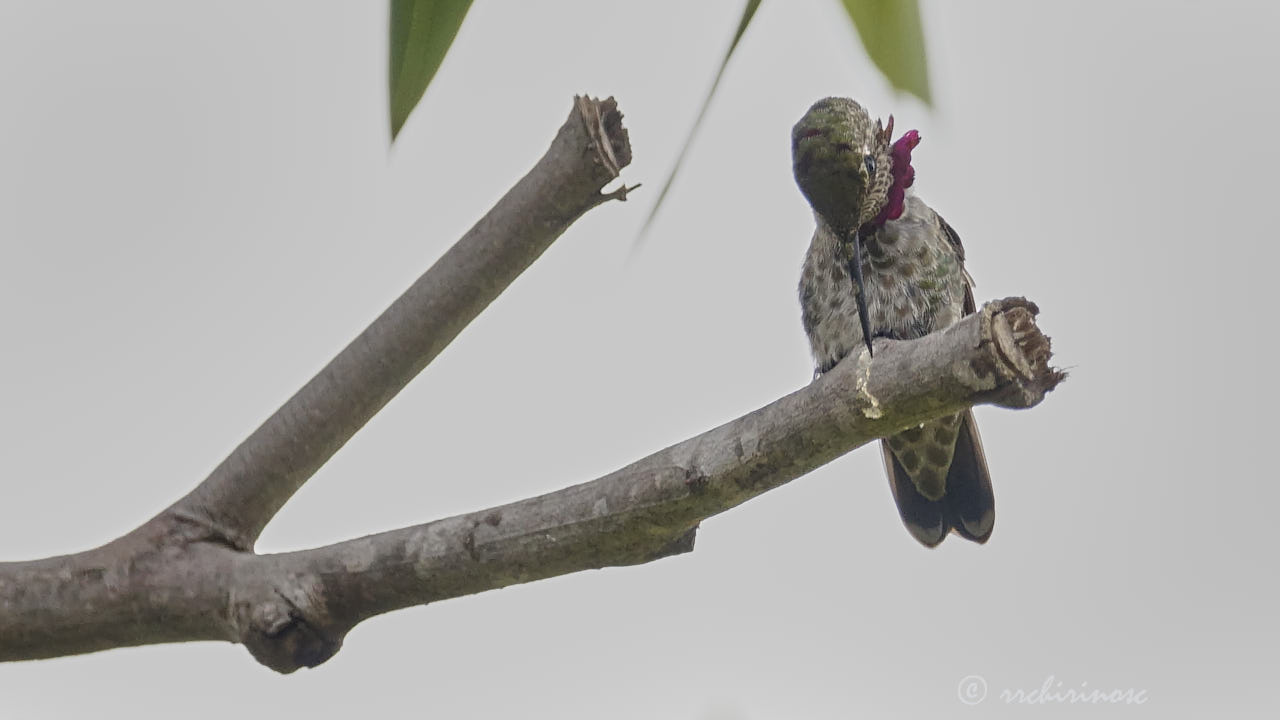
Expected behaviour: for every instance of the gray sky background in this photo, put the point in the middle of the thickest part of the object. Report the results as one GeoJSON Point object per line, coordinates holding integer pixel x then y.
{"type": "Point", "coordinates": [198, 207]}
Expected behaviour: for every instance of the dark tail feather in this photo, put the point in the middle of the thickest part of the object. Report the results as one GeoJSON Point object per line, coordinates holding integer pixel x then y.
{"type": "Point", "coordinates": [971, 505]}
{"type": "Point", "coordinates": [924, 518]}
{"type": "Point", "coordinates": [968, 507]}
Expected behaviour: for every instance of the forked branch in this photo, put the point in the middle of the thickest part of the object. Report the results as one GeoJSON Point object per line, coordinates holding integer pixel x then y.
{"type": "Point", "coordinates": [190, 573]}
{"type": "Point", "coordinates": [243, 493]}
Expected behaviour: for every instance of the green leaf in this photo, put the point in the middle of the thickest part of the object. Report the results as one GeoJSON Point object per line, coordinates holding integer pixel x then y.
{"type": "Point", "coordinates": [892, 34]}
{"type": "Point", "coordinates": [748, 12]}
{"type": "Point", "coordinates": [421, 33]}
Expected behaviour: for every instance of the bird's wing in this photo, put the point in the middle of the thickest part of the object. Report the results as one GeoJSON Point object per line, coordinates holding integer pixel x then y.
{"type": "Point", "coordinates": [953, 237]}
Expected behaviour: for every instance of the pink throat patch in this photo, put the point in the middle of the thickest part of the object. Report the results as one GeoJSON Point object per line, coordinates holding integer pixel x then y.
{"type": "Point", "coordinates": [903, 176]}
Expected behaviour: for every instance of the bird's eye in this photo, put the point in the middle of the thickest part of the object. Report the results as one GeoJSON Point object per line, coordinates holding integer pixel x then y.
{"type": "Point", "coordinates": [871, 165]}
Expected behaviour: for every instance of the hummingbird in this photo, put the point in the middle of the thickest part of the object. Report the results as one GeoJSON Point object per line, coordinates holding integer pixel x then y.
{"type": "Point", "coordinates": [883, 264]}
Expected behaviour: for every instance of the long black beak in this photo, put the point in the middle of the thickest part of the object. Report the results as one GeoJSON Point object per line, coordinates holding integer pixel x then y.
{"type": "Point", "coordinates": [855, 272]}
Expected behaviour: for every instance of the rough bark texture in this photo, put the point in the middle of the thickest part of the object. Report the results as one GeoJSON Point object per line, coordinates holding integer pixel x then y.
{"type": "Point", "coordinates": [190, 572]}
{"type": "Point", "coordinates": [254, 482]}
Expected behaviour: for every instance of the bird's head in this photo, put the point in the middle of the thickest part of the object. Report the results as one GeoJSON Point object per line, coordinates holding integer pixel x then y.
{"type": "Point", "coordinates": [848, 167]}
{"type": "Point", "coordinates": [854, 175]}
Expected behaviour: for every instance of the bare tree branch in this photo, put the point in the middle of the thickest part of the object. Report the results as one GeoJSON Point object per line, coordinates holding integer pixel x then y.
{"type": "Point", "coordinates": [166, 583]}
{"type": "Point", "coordinates": [190, 572]}
{"type": "Point", "coordinates": [248, 488]}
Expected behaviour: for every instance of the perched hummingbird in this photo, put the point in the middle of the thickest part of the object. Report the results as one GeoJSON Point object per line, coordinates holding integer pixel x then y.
{"type": "Point", "coordinates": [884, 264]}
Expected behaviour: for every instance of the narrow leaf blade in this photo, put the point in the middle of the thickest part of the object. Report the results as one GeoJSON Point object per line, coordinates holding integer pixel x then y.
{"type": "Point", "coordinates": [748, 12]}
{"type": "Point", "coordinates": [893, 36]}
{"type": "Point", "coordinates": [421, 32]}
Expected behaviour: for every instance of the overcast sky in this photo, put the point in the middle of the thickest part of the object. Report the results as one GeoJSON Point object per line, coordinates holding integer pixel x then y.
{"type": "Point", "coordinates": [198, 208]}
